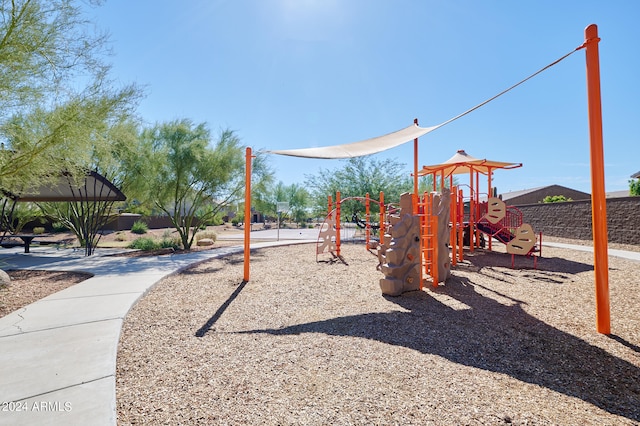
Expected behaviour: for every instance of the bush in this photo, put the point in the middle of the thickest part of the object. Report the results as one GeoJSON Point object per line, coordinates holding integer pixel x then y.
{"type": "Point", "coordinates": [172, 242]}
{"type": "Point", "coordinates": [144, 243]}
{"type": "Point", "coordinates": [38, 230]}
{"type": "Point", "coordinates": [206, 234]}
{"type": "Point", "coordinates": [59, 227]}
{"type": "Point", "coordinates": [120, 236]}
{"type": "Point", "coordinates": [634, 187]}
{"type": "Point", "coordinates": [139, 227]}
{"type": "Point", "coordinates": [235, 221]}
{"type": "Point", "coordinates": [149, 243]}
{"type": "Point", "coordinates": [555, 199]}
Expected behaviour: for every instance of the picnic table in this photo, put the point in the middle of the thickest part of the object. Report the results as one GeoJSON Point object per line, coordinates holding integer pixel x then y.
{"type": "Point", "coordinates": [27, 239]}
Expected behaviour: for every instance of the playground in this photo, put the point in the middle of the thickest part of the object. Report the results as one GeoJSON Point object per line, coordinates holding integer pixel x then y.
{"type": "Point", "coordinates": [315, 343]}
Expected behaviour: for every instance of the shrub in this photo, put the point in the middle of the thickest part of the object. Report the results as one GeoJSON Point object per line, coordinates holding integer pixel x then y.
{"type": "Point", "coordinates": [206, 234]}
{"type": "Point", "coordinates": [634, 187]}
{"type": "Point", "coordinates": [144, 243]}
{"type": "Point", "coordinates": [38, 230]}
{"type": "Point", "coordinates": [171, 242]}
{"type": "Point", "coordinates": [59, 227]}
{"type": "Point", "coordinates": [139, 227]}
{"type": "Point", "coordinates": [149, 243]}
{"type": "Point", "coordinates": [555, 199]}
{"type": "Point", "coordinates": [120, 236]}
{"type": "Point", "coordinates": [235, 221]}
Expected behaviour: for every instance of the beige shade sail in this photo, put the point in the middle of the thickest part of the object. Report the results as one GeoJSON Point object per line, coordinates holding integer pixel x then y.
{"type": "Point", "coordinates": [361, 148]}
{"type": "Point", "coordinates": [462, 163]}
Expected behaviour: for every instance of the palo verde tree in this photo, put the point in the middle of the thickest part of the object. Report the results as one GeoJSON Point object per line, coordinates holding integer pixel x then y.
{"type": "Point", "coordinates": [53, 88]}
{"type": "Point", "coordinates": [296, 195]}
{"type": "Point", "coordinates": [190, 177]}
{"type": "Point", "coordinates": [115, 153]}
{"type": "Point", "coordinates": [54, 92]}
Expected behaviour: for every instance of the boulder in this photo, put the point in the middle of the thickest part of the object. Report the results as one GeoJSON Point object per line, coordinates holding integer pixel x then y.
{"type": "Point", "coordinates": [205, 242]}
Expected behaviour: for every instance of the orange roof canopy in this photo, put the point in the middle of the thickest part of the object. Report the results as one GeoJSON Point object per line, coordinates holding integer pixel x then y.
{"type": "Point", "coordinates": [462, 163]}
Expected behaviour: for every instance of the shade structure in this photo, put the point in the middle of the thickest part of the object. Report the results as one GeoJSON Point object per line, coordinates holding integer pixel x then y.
{"type": "Point", "coordinates": [361, 148]}
{"type": "Point", "coordinates": [94, 187]}
{"type": "Point", "coordinates": [462, 163]}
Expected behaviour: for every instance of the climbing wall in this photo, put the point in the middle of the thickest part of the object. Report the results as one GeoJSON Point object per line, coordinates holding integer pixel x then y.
{"type": "Point", "coordinates": [399, 259]}
{"type": "Point", "coordinates": [441, 208]}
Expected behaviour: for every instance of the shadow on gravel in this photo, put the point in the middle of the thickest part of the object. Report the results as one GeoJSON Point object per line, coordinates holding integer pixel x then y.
{"type": "Point", "coordinates": [498, 338]}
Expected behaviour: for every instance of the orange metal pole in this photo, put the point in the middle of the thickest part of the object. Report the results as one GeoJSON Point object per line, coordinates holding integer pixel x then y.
{"type": "Point", "coordinates": [435, 243]}
{"type": "Point", "coordinates": [367, 229]}
{"type": "Point", "coordinates": [461, 226]}
{"type": "Point", "coordinates": [415, 163]}
{"type": "Point", "coordinates": [382, 218]}
{"type": "Point", "coordinates": [598, 197]}
{"type": "Point", "coordinates": [338, 223]}
{"type": "Point", "coordinates": [453, 219]}
{"type": "Point", "coordinates": [472, 212]}
{"type": "Point", "coordinates": [247, 214]}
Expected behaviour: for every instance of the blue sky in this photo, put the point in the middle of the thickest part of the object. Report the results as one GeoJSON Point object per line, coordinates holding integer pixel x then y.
{"type": "Point", "coordinates": [302, 73]}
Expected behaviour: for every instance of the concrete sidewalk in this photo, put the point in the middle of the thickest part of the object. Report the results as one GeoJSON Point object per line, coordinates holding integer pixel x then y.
{"type": "Point", "coordinates": [58, 355]}
{"type": "Point", "coordinates": [631, 255]}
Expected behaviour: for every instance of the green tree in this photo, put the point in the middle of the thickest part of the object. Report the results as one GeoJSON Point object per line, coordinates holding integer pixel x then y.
{"type": "Point", "coordinates": [54, 90]}
{"type": "Point", "coordinates": [357, 177]}
{"type": "Point", "coordinates": [189, 178]}
{"type": "Point", "coordinates": [634, 187]}
{"type": "Point", "coordinates": [113, 151]}
{"type": "Point", "coordinates": [296, 195]}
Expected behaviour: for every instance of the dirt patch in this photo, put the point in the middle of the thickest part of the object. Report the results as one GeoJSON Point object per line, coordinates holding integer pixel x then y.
{"type": "Point", "coordinates": [29, 286]}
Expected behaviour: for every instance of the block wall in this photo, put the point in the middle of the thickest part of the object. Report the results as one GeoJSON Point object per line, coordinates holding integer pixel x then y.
{"type": "Point", "coordinates": [573, 219]}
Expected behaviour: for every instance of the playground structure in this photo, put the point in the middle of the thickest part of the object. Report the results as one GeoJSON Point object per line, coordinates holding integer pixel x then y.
{"type": "Point", "coordinates": [425, 235]}
{"type": "Point", "coordinates": [598, 199]}
{"type": "Point", "coordinates": [329, 237]}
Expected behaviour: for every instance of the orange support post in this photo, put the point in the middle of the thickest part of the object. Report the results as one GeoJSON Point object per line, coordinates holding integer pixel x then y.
{"type": "Point", "coordinates": [472, 212]}
{"type": "Point", "coordinates": [382, 213]}
{"type": "Point", "coordinates": [461, 225]}
{"type": "Point", "coordinates": [453, 218]}
{"type": "Point", "coordinates": [247, 214]}
{"type": "Point", "coordinates": [367, 214]}
{"type": "Point", "coordinates": [415, 163]}
{"type": "Point", "coordinates": [433, 218]}
{"type": "Point", "coordinates": [338, 223]}
{"type": "Point", "coordinates": [598, 198]}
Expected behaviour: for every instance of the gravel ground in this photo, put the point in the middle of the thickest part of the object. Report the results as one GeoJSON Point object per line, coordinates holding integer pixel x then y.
{"type": "Point", "coordinates": [30, 286]}
{"type": "Point", "coordinates": [306, 343]}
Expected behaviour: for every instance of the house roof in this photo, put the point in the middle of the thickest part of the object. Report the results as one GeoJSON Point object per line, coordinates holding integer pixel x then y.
{"type": "Point", "coordinates": [513, 194]}
{"type": "Point", "coordinates": [95, 187]}
{"type": "Point", "coordinates": [556, 189]}
{"type": "Point", "coordinates": [635, 175]}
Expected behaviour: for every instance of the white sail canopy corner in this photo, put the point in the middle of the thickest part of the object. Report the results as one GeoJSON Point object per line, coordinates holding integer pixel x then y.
{"type": "Point", "coordinates": [361, 148]}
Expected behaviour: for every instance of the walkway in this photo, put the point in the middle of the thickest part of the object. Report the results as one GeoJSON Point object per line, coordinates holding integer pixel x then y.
{"type": "Point", "coordinates": [58, 355]}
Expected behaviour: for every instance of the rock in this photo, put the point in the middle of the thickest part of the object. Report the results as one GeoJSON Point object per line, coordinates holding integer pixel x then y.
{"type": "Point", "coordinates": [205, 242]}
{"type": "Point", "coordinates": [5, 279]}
